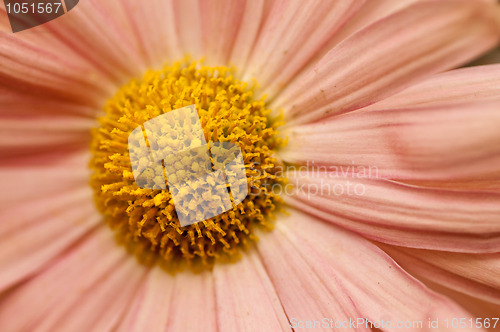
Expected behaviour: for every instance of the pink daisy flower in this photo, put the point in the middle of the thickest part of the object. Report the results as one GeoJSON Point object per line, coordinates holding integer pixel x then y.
{"type": "Point", "coordinates": [385, 161]}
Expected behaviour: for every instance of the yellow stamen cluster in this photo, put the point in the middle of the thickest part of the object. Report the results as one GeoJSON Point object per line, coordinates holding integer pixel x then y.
{"type": "Point", "coordinates": [145, 220]}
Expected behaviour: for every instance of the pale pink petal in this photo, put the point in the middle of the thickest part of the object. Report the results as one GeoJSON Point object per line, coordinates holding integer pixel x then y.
{"type": "Point", "coordinates": [462, 85]}
{"type": "Point", "coordinates": [368, 13]}
{"type": "Point", "coordinates": [165, 302]}
{"type": "Point", "coordinates": [101, 307]}
{"type": "Point", "coordinates": [95, 276]}
{"type": "Point", "coordinates": [220, 25]}
{"type": "Point", "coordinates": [253, 16]}
{"type": "Point", "coordinates": [188, 22]}
{"type": "Point", "coordinates": [246, 298]}
{"type": "Point", "coordinates": [17, 103]}
{"type": "Point", "coordinates": [474, 275]}
{"type": "Point", "coordinates": [485, 184]}
{"type": "Point", "coordinates": [29, 65]}
{"type": "Point", "coordinates": [38, 175]}
{"type": "Point", "coordinates": [155, 29]}
{"type": "Point", "coordinates": [193, 306]}
{"type": "Point", "coordinates": [291, 36]}
{"type": "Point", "coordinates": [377, 286]}
{"type": "Point", "coordinates": [304, 294]}
{"type": "Point", "coordinates": [78, 56]}
{"type": "Point", "coordinates": [479, 308]}
{"type": "Point", "coordinates": [420, 143]}
{"type": "Point", "coordinates": [99, 32]}
{"type": "Point", "coordinates": [399, 214]}
{"type": "Point", "coordinates": [490, 58]}
{"type": "Point", "coordinates": [35, 231]}
{"type": "Point", "coordinates": [184, 302]}
{"type": "Point", "coordinates": [24, 135]}
{"type": "Point", "coordinates": [372, 11]}
{"type": "Point", "coordinates": [390, 55]}
{"type": "Point", "coordinates": [149, 309]}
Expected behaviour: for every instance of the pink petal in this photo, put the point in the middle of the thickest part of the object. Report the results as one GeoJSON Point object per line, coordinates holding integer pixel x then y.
{"type": "Point", "coordinates": [253, 15]}
{"type": "Point", "coordinates": [85, 289]}
{"type": "Point", "coordinates": [188, 22]}
{"type": "Point", "coordinates": [154, 27]}
{"type": "Point", "coordinates": [28, 65]}
{"type": "Point", "coordinates": [35, 133]}
{"type": "Point", "coordinates": [78, 56]}
{"type": "Point", "coordinates": [100, 32]}
{"type": "Point", "coordinates": [220, 24]}
{"type": "Point", "coordinates": [246, 298]}
{"type": "Point", "coordinates": [372, 11]}
{"type": "Point", "coordinates": [36, 231]}
{"type": "Point", "coordinates": [390, 55]}
{"type": "Point", "coordinates": [38, 175]}
{"type": "Point", "coordinates": [304, 294]}
{"type": "Point", "coordinates": [399, 214]}
{"type": "Point", "coordinates": [462, 85]}
{"type": "Point", "coordinates": [368, 13]}
{"type": "Point", "coordinates": [368, 278]}
{"type": "Point", "coordinates": [193, 296]}
{"type": "Point", "coordinates": [101, 307]}
{"type": "Point", "coordinates": [291, 35]}
{"type": "Point", "coordinates": [420, 143]}
{"type": "Point", "coordinates": [17, 103]}
{"type": "Point", "coordinates": [479, 308]}
{"type": "Point", "coordinates": [471, 274]}
{"type": "Point", "coordinates": [169, 303]}
{"type": "Point", "coordinates": [149, 309]}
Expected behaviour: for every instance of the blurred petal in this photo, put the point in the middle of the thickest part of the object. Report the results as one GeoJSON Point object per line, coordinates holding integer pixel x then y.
{"type": "Point", "coordinates": [369, 13]}
{"type": "Point", "coordinates": [400, 214]}
{"type": "Point", "coordinates": [22, 135]}
{"type": "Point", "coordinates": [87, 288]}
{"type": "Point", "coordinates": [253, 16]}
{"type": "Point", "coordinates": [15, 103]}
{"type": "Point", "coordinates": [238, 288]}
{"type": "Point", "coordinates": [169, 303]}
{"type": "Point", "coordinates": [457, 86]}
{"type": "Point", "coordinates": [165, 301]}
{"type": "Point", "coordinates": [369, 278]}
{"type": "Point", "coordinates": [148, 310]}
{"type": "Point", "coordinates": [155, 30]}
{"type": "Point", "coordinates": [100, 32]}
{"type": "Point", "coordinates": [29, 177]}
{"type": "Point", "coordinates": [35, 231]}
{"type": "Point", "coordinates": [291, 35]}
{"type": "Point", "coordinates": [78, 56]}
{"type": "Point", "coordinates": [29, 65]}
{"type": "Point", "coordinates": [220, 24]}
{"type": "Point", "coordinates": [188, 22]}
{"type": "Point", "coordinates": [425, 143]}
{"type": "Point", "coordinates": [479, 308]}
{"type": "Point", "coordinates": [471, 274]}
{"type": "Point", "coordinates": [421, 40]}
{"type": "Point", "coordinates": [304, 294]}
{"type": "Point", "coordinates": [193, 296]}
{"type": "Point", "coordinates": [101, 307]}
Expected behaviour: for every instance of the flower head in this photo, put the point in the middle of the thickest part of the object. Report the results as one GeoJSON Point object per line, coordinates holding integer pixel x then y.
{"type": "Point", "coordinates": [370, 163]}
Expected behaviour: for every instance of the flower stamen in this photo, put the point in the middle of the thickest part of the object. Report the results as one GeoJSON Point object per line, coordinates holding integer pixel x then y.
{"type": "Point", "coordinates": [145, 220]}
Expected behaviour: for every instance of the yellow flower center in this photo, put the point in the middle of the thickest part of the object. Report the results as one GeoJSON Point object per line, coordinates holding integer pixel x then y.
{"type": "Point", "coordinates": [146, 220]}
